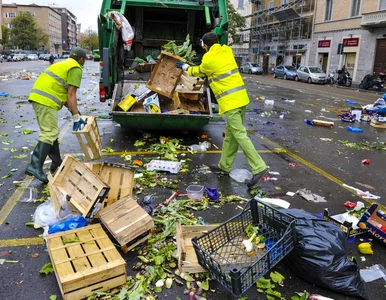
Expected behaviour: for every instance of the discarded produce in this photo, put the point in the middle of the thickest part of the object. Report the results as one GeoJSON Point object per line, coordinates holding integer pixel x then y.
{"type": "Point", "coordinates": [365, 248]}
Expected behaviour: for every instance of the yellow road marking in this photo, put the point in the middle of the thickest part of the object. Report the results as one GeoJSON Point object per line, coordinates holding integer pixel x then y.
{"type": "Point", "coordinates": [314, 168]}
{"type": "Point", "coordinates": [12, 201]}
{"type": "Point", "coordinates": [22, 242]}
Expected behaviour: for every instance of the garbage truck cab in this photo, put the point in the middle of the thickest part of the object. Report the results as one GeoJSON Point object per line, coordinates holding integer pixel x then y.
{"type": "Point", "coordinates": [154, 24]}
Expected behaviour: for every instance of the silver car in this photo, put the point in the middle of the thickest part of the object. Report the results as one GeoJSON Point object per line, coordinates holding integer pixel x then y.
{"type": "Point", "coordinates": [312, 74]}
{"type": "Point", "coordinates": [251, 68]}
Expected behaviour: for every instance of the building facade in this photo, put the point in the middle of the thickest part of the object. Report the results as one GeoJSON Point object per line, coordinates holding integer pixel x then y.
{"type": "Point", "coordinates": [241, 49]}
{"type": "Point", "coordinates": [48, 20]}
{"type": "Point", "coordinates": [350, 33]}
{"type": "Point", "coordinates": [1, 18]}
{"type": "Point", "coordinates": [69, 28]}
{"type": "Point", "coordinates": [281, 32]}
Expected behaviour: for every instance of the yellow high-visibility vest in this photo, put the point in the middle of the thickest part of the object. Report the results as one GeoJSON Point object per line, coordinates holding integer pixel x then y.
{"type": "Point", "coordinates": [220, 66]}
{"type": "Point", "coordinates": [50, 89]}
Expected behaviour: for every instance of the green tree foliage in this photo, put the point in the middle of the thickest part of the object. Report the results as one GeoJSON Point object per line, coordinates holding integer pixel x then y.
{"type": "Point", "coordinates": [6, 41]}
{"type": "Point", "coordinates": [89, 40]}
{"type": "Point", "coordinates": [24, 33]}
{"type": "Point", "coordinates": [236, 22]}
{"type": "Point", "coordinates": [42, 38]}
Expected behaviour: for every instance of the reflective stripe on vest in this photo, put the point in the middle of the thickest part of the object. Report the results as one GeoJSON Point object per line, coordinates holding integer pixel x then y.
{"type": "Point", "coordinates": [44, 94]}
{"type": "Point", "coordinates": [226, 93]}
{"type": "Point", "coordinates": [222, 76]}
{"type": "Point", "coordinates": [60, 80]}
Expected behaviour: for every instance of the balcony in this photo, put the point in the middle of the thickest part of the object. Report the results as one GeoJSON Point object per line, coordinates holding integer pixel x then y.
{"type": "Point", "coordinates": [374, 19]}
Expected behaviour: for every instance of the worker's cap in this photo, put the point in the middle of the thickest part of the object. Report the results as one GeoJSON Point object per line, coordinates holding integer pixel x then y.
{"type": "Point", "coordinates": [77, 53]}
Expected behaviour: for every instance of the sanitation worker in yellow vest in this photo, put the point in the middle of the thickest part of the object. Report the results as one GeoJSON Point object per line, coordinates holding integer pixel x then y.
{"type": "Point", "coordinates": [55, 87]}
{"type": "Point", "coordinates": [220, 67]}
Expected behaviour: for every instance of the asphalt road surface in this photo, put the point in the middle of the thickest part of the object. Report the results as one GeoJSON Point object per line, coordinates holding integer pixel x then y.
{"type": "Point", "coordinates": [311, 157]}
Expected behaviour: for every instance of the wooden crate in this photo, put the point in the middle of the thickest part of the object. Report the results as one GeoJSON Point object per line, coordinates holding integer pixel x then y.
{"type": "Point", "coordinates": [127, 221]}
{"type": "Point", "coordinates": [89, 139]}
{"type": "Point", "coordinates": [165, 75]}
{"type": "Point", "coordinates": [192, 83]}
{"type": "Point", "coordinates": [118, 177]}
{"type": "Point", "coordinates": [187, 259]}
{"type": "Point", "coordinates": [85, 267]}
{"type": "Point", "coordinates": [85, 189]}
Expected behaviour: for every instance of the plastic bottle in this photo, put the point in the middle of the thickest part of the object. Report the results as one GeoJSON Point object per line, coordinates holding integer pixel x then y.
{"type": "Point", "coordinates": [200, 148]}
{"type": "Point", "coordinates": [354, 129]}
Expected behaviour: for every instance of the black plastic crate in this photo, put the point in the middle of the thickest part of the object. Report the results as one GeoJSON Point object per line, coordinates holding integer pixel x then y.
{"type": "Point", "coordinates": [221, 252]}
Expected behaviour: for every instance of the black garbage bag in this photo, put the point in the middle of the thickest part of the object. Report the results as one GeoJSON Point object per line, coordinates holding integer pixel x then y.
{"type": "Point", "coordinates": [321, 255]}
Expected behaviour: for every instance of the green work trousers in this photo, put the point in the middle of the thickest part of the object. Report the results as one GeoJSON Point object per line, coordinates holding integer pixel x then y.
{"type": "Point", "coordinates": [47, 118]}
{"type": "Point", "coordinates": [236, 135]}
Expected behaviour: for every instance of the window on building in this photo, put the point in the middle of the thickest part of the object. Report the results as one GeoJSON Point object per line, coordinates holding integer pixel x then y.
{"type": "Point", "coordinates": [382, 5]}
{"type": "Point", "coordinates": [284, 2]}
{"type": "Point", "coordinates": [328, 12]}
{"type": "Point", "coordinates": [10, 15]}
{"type": "Point", "coordinates": [355, 8]}
{"type": "Point", "coordinates": [270, 4]}
{"type": "Point", "coordinates": [240, 4]}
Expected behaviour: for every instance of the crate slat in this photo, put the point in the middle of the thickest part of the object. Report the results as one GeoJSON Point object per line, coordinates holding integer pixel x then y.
{"type": "Point", "coordinates": [89, 139]}
{"type": "Point", "coordinates": [92, 264]}
{"type": "Point", "coordinates": [126, 220]}
{"type": "Point", "coordinates": [84, 187]}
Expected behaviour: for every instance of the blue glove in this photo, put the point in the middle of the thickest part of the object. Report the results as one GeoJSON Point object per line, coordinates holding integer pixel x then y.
{"type": "Point", "coordinates": [213, 193]}
{"type": "Point", "coordinates": [78, 122]}
{"type": "Point", "coordinates": [182, 65]}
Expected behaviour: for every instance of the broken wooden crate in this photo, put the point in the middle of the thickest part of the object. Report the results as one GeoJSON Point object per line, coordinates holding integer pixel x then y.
{"type": "Point", "coordinates": [165, 75]}
{"type": "Point", "coordinates": [187, 259]}
{"type": "Point", "coordinates": [86, 190]}
{"type": "Point", "coordinates": [118, 177]}
{"type": "Point", "coordinates": [89, 139]}
{"type": "Point", "coordinates": [128, 222]}
{"type": "Point", "coordinates": [89, 265]}
{"type": "Point", "coordinates": [192, 83]}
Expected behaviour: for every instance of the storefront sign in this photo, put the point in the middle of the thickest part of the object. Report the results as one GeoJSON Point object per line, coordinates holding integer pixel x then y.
{"type": "Point", "coordinates": [324, 44]}
{"type": "Point", "coordinates": [353, 42]}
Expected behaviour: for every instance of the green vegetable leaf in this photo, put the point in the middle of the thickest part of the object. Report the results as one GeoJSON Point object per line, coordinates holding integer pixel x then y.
{"type": "Point", "coordinates": [3, 134]}
{"type": "Point", "coordinates": [122, 294]}
{"type": "Point", "coordinates": [47, 269]}
{"type": "Point", "coordinates": [158, 260]}
{"type": "Point", "coordinates": [264, 284]}
{"type": "Point", "coordinates": [27, 131]}
{"type": "Point", "coordinates": [158, 289]}
{"type": "Point", "coordinates": [7, 175]}
{"type": "Point", "coordinates": [53, 297]}
{"type": "Point", "coordinates": [273, 293]}
{"type": "Point", "coordinates": [139, 143]}
{"type": "Point", "coordinates": [205, 285]}
{"type": "Point", "coordinates": [301, 296]}
{"type": "Point", "coordinates": [30, 224]}
{"type": "Point", "coordinates": [276, 277]}
{"type": "Point", "coordinates": [13, 150]}
{"type": "Point", "coordinates": [71, 240]}
{"type": "Point", "coordinates": [109, 149]}
{"type": "Point", "coordinates": [20, 156]}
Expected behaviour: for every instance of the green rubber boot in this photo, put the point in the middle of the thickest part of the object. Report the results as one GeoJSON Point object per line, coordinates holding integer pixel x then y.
{"type": "Point", "coordinates": [55, 157]}
{"type": "Point", "coordinates": [37, 160]}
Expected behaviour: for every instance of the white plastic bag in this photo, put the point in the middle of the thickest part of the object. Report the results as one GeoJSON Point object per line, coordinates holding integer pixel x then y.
{"type": "Point", "coordinates": [124, 26]}
{"type": "Point", "coordinates": [241, 175]}
{"type": "Point", "coordinates": [45, 215]}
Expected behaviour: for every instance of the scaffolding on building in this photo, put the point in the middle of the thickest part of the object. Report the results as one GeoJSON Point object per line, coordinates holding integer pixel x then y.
{"type": "Point", "coordinates": [281, 28]}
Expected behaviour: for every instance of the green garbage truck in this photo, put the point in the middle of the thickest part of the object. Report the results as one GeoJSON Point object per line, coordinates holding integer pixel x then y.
{"type": "Point", "coordinates": [128, 63]}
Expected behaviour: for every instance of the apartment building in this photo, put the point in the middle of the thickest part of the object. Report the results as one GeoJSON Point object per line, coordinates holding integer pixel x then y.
{"type": "Point", "coordinates": [241, 49]}
{"type": "Point", "coordinates": [69, 28]}
{"type": "Point", "coordinates": [48, 20]}
{"type": "Point", "coordinates": [350, 33]}
{"type": "Point", "coordinates": [281, 32]}
{"type": "Point", "coordinates": [1, 17]}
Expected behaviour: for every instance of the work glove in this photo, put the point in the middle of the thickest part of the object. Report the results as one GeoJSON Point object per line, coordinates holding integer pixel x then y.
{"type": "Point", "coordinates": [182, 65]}
{"type": "Point", "coordinates": [78, 122]}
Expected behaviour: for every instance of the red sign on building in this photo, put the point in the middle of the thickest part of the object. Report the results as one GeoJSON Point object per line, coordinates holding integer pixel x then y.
{"type": "Point", "coordinates": [324, 44]}
{"type": "Point", "coordinates": [353, 42]}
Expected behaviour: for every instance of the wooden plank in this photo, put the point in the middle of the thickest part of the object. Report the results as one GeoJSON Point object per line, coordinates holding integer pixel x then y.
{"type": "Point", "coordinates": [60, 254]}
{"type": "Point", "coordinates": [130, 246]}
{"type": "Point", "coordinates": [77, 256]}
{"type": "Point", "coordinates": [105, 244]}
{"type": "Point", "coordinates": [55, 194]}
{"type": "Point", "coordinates": [99, 287]}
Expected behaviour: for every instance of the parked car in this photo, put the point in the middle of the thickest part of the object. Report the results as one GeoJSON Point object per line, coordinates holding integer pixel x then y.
{"type": "Point", "coordinates": [287, 72]}
{"type": "Point", "coordinates": [9, 58]}
{"type": "Point", "coordinates": [251, 68]}
{"type": "Point", "coordinates": [19, 57]}
{"type": "Point", "coordinates": [45, 56]}
{"type": "Point", "coordinates": [32, 57]}
{"type": "Point", "coordinates": [312, 74]}
{"type": "Point", "coordinates": [1, 58]}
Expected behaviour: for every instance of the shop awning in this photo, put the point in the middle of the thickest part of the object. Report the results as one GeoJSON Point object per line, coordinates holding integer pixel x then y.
{"type": "Point", "coordinates": [286, 14]}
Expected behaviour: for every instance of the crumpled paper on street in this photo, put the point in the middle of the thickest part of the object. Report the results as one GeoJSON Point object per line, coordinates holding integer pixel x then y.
{"type": "Point", "coordinates": [310, 197]}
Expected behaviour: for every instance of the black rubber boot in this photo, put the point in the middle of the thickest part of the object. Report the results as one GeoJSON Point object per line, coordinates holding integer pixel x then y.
{"type": "Point", "coordinates": [55, 157]}
{"type": "Point", "coordinates": [37, 160]}
{"type": "Point", "coordinates": [257, 179]}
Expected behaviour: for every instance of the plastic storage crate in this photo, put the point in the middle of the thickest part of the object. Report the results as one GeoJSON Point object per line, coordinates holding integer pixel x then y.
{"type": "Point", "coordinates": [220, 251]}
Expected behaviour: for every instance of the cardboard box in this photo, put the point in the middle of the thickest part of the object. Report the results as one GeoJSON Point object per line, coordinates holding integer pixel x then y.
{"type": "Point", "coordinates": [373, 222]}
{"type": "Point", "coordinates": [151, 104]}
{"type": "Point", "coordinates": [349, 228]}
{"type": "Point", "coordinates": [91, 265]}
